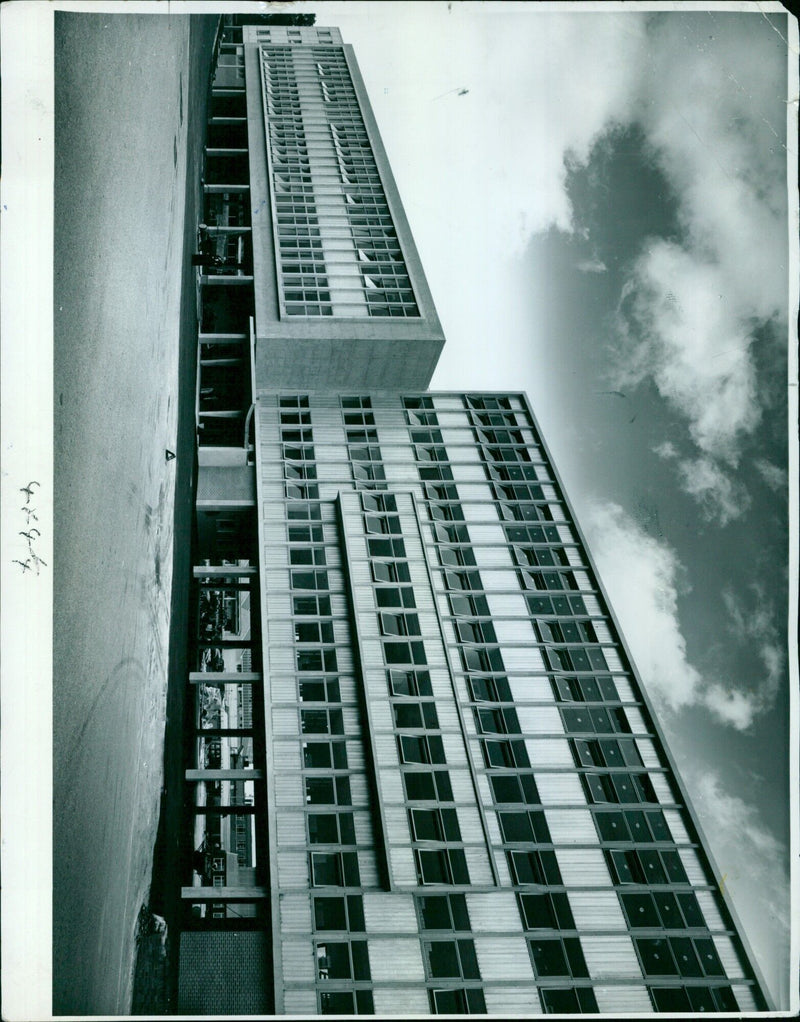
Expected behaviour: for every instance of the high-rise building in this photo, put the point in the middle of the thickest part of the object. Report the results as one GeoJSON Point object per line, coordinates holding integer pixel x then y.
{"type": "Point", "coordinates": [423, 776]}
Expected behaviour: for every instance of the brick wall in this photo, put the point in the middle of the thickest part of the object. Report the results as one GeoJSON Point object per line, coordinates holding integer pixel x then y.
{"type": "Point", "coordinates": [224, 973]}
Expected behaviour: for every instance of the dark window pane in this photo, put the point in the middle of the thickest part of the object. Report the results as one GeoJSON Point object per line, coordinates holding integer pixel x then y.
{"type": "Point", "coordinates": [323, 828]}
{"type": "Point", "coordinates": [549, 958]}
{"type": "Point", "coordinates": [668, 909]}
{"type": "Point", "coordinates": [692, 914]}
{"type": "Point", "coordinates": [640, 910]}
{"type": "Point", "coordinates": [516, 827]}
{"type": "Point", "coordinates": [432, 867]}
{"type": "Point", "coordinates": [365, 1005]}
{"type": "Point", "coordinates": [458, 866]}
{"type": "Point", "coordinates": [360, 959]}
{"type": "Point", "coordinates": [435, 913]}
{"type": "Point", "coordinates": [329, 914]}
{"type": "Point", "coordinates": [443, 958]}
{"type": "Point", "coordinates": [338, 1002]}
{"type": "Point", "coordinates": [658, 826]}
{"type": "Point", "coordinates": [355, 911]}
{"type": "Point", "coordinates": [709, 958]}
{"type": "Point", "coordinates": [560, 1002]}
{"type": "Point", "coordinates": [685, 956]}
{"type": "Point", "coordinates": [538, 911]}
{"type": "Point", "coordinates": [469, 960]}
{"type": "Point", "coordinates": [656, 957]}
{"type": "Point", "coordinates": [611, 826]}
{"type": "Point", "coordinates": [319, 791]}
{"type": "Point", "coordinates": [419, 786]}
{"type": "Point", "coordinates": [671, 999]}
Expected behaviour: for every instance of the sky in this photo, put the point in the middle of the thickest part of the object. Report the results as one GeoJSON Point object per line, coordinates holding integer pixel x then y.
{"type": "Point", "coordinates": [602, 218]}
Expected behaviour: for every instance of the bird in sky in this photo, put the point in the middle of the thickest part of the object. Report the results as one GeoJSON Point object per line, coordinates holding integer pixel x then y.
{"type": "Point", "coordinates": [28, 535]}
{"type": "Point", "coordinates": [25, 565]}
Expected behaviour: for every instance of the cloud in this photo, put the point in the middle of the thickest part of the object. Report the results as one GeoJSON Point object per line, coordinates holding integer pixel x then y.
{"type": "Point", "coordinates": [645, 579]}
{"type": "Point", "coordinates": [756, 623]}
{"type": "Point", "coordinates": [754, 867]}
{"type": "Point", "coordinates": [775, 477]}
{"type": "Point", "coordinates": [666, 450]}
{"type": "Point", "coordinates": [677, 326]}
{"type": "Point", "coordinates": [693, 307]}
{"type": "Point", "coordinates": [592, 266]}
{"type": "Point", "coordinates": [720, 497]}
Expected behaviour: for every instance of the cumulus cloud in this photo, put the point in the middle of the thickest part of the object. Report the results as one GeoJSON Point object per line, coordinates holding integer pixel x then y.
{"type": "Point", "coordinates": [756, 622]}
{"type": "Point", "coordinates": [692, 307]}
{"type": "Point", "coordinates": [592, 266]}
{"type": "Point", "coordinates": [754, 868]}
{"type": "Point", "coordinates": [775, 477]}
{"type": "Point", "coordinates": [666, 450]}
{"type": "Point", "coordinates": [645, 580]}
{"type": "Point", "coordinates": [721, 498]}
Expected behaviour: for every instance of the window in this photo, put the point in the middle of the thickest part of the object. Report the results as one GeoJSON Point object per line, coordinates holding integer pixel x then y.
{"type": "Point", "coordinates": [607, 752]}
{"type": "Point", "coordinates": [469, 606]}
{"type": "Point", "coordinates": [434, 825]}
{"type": "Point", "coordinates": [619, 787]}
{"type": "Point", "coordinates": [313, 631]}
{"type": "Point", "coordinates": [315, 659]}
{"type": "Point", "coordinates": [564, 1001]}
{"type": "Point", "coordinates": [309, 579]}
{"type": "Point", "coordinates": [343, 960]}
{"type": "Point", "coordinates": [534, 867]}
{"type": "Point", "coordinates": [694, 998]}
{"type": "Point", "coordinates": [309, 606]}
{"type": "Point", "coordinates": [331, 829]}
{"type": "Point", "coordinates": [489, 690]}
{"type": "Point", "coordinates": [380, 503]}
{"type": "Point", "coordinates": [443, 912]}
{"type": "Point", "coordinates": [421, 749]}
{"type": "Point", "coordinates": [496, 721]}
{"type": "Point", "coordinates": [387, 547]}
{"type": "Point", "coordinates": [320, 755]}
{"type": "Point", "coordinates": [647, 867]}
{"type": "Point", "coordinates": [334, 869]}
{"type": "Point", "coordinates": [409, 683]}
{"type": "Point", "coordinates": [339, 913]}
{"type": "Point", "coordinates": [514, 788]}
{"type": "Point", "coordinates": [399, 624]}
{"type": "Point", "coordinates": [328, 791]}
{"type": "Point", "coordinates": [305, 533]}
{"type": "Point", "coordinates": [462, 581]}
{"type": "Point", "coordinates": [403, 597]}
{"type": "Point", "coordinates": [452, 959]}
{"type": "Point", "coordinates": [415, 715]}
{"type": "Point", "coordinates": [460, 1001]}
{"type": "Point", "coordinates": [524, 827]}
{"type": "Point", "coordinates": [546, 911]}
{"type": "Point", "coordinates": [321, 722]}
{"type": "Point", "coordinates": [398, 652]}
{"type": "Point", "coordinates": [346, 1002]}
{"type": "Point", "coordinates": [390, 571]}
{"type": "Point", "coordinates": [505, 753]}
{"type": "Point", "coordinates": [427, 786]}
{"type": "Point", "coordinates": [557, 956]}
{"type": "Point", "coordinates": [595, 720]}
{"type": "Point", "coordinates": [441, 866]}
{"type": "Point", "coordinates": [324, 690]}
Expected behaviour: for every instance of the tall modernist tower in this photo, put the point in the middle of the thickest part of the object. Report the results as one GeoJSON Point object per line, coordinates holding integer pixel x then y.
{"type": "Point", "coordinates": [423, 775]}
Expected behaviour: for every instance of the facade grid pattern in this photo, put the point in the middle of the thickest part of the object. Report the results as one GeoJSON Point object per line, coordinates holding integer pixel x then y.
{"type": "Point", "coordinates": [339, 254]}
{"type": "Point", "coordinates": [543, 737]}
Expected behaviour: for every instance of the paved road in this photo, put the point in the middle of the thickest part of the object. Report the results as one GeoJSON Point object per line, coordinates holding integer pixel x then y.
{"type": "Point", "coordinates": [126, 89]}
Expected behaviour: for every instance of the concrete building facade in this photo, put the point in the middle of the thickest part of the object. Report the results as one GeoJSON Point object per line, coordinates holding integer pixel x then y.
{"type": "Point", "coordinates": [408, 680]}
